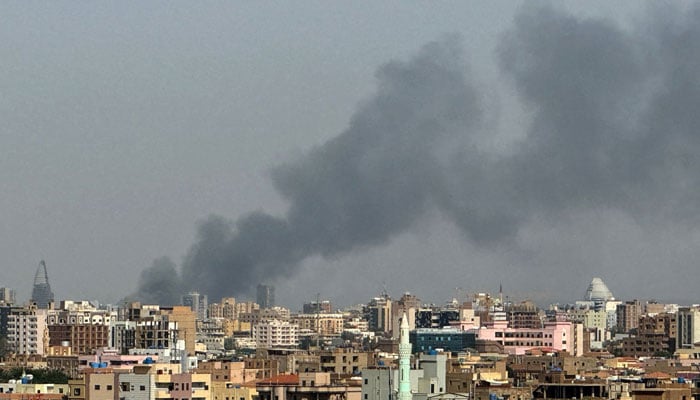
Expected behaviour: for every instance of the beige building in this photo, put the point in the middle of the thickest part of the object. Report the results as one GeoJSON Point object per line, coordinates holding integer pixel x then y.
{"type": "Point", "coordinates": [345, 361]}
{"type": "Point", "coordinates": [323, 324]}
{"type": "Point", "coordinates": [27, 332]}
{"type": "Point", "coordinates": [225, 309]}
{"type": "Point", "coordinates": [308, 386]}
{"type": "Point", "coordinates": [185, 319]}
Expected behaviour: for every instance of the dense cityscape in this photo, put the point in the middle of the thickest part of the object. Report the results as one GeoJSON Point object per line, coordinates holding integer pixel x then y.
{"type": "Point", "coordinates": [346, 166]}
{"type": "Point", "coordinates": [476, 346]}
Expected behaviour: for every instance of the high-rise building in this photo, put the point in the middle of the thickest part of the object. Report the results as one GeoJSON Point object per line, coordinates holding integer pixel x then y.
{"type": "Point", "coordinates": [83, 327]}
{"type": "Point", "coordinates": [628, 315]}
{"type": "Point", "coordinates": [323, 306]}
{"type": "Point", "coordinates": [7, 296]}
{"type": "Point", "coordinates": [26, 330]}
{"type": "Point", "coordinates": [688, 328]}
{"type": "Point", "coordinates": [42, 295]}
{"type": "Point", "coordinates": [276, 333]}
{"type": "Point", "coordinates": [378, 314]}
{"type": "Point", "coordinates": [225, 309]}
{"type": "Point", "coordinates": [197, 303]}
{"type": "Point", "coordinates": [266, 296]}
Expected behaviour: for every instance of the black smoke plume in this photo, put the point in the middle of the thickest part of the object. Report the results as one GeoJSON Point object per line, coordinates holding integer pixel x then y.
{"type": "Point", "coordinates": [614, 124]}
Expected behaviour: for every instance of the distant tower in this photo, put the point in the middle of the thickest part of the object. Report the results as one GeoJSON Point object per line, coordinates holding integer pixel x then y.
{"type": "Point", "coordinates": [42, 295]}
{"type": "Point", "coordinates": [404, 361]}
{"type": "Point", "coordinates": [266, 296]}
{"type": "Point", "coordinates": [7, 296]}
{"type": "Point", "coordinates": [197, 303]}
{"type": "Point", "coordinates": [598, 291]}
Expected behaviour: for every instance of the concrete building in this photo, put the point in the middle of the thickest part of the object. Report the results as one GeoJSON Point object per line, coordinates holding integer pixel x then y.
{"type": "Point", "coordinates": [656, 336]}
{"type": "Point", "coordinates": [382, 383]}
{"type": "Point", "coordinates": [156, 332]}
{"type": "Point", "coordinates": [276, 333]}
{"type": "Point", "coordinates": [378, 314]}
{"type": "Point", "coordinates": [434, 381]}
{"type": "Point", "coordinates": [84, 328]}
{"type": "Point", "coordinates": [628, 314]}
{"type": "Point", "coordinates": [595, 322]}
{"type": "Point", "coordinates": [122, 336]}
{"type": "Point", "coordinates": [525, 315]}
{"type": "Point", "coordinates": [198, 303]}
{"type": "Point", "coordinates": [185, 320]}
{"type": "Point", "coordinates": [307, 386]}
{"type": "Point", "coordinates": [688, 329]}
{"type": "Point", "coordinates": [211, 333]}
{"type": "Point", "coordinates": [27, 332]}
{"type": "Point", "coordinates": [226, 309]}
{"type": "Point", "coordinates": [323, 324]}
{"type": "Point", "coordinates": [558, 335]}
{"type": "Point", "coordinates": [265, 314]}
{"type": "Point", "coordinates": [345, 361]}
{"type": "Point", "coordinates": [7, 296]}
{"type": "Point", "coordinates": [408, 304]}
{"type": "Point", "coordinates": [313, 307]}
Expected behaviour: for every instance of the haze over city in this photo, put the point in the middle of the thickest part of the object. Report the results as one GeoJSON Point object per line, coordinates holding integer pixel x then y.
{"type": "Point", "coordinates": [346, 147]}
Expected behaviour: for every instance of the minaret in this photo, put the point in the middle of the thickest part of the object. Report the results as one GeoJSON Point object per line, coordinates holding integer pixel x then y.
{"type": "Point", "coordinates": [404, 361]}
{"type": "Point", "coordinates": [41, 292]}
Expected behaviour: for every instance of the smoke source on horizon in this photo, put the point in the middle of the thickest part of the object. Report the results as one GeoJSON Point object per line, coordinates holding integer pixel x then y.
{"type": "Point", "coordinates": [614, 125]}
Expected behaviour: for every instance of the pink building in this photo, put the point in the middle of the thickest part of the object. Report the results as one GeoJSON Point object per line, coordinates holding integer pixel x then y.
{"type": "Point", "coordinates": [112, 359]}
{"type": "Point", "coordinates": [559, 335]}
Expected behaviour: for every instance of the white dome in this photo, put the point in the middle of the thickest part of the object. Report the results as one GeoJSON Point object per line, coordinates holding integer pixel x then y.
{"type": "Point", "coordinates": [598, 291]}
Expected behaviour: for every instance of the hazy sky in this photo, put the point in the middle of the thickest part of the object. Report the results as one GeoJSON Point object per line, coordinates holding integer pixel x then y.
{"type": "Point", "coordinates": [127, 124]}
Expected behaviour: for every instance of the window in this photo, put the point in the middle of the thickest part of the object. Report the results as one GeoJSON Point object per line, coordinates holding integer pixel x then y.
{"type": "Point", "coordinates": [109, 387]}
{"type": "Point", "coordinates": [97, 387]}
{"type": "Point", "coordinates": [142, 388]}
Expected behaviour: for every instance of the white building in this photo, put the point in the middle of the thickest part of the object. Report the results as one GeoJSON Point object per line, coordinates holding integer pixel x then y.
{"type": "Point", "coordinates": [276, 333]}
{"type": "Point", "coordinates": [688, 334]}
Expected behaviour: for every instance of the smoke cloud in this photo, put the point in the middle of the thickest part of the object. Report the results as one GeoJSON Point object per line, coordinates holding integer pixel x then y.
{"type": "Point", "coordinates": [613, 126]}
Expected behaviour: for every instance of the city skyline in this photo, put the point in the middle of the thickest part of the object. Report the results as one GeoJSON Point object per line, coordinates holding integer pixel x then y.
{"type": "Point", "coordinates": [534, 163]}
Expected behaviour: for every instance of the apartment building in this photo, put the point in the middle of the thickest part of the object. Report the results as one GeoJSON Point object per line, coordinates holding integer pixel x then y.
{"type": "Point", "coordinates": [628, 314]}
{"type": "Point", "coordinates": [345, 361]}
{"type": "Point", "coordinates": [688, 328]}
{"type": "Point", "coordinates": [85, 329]}
{"type": "Point", "coordinates": [323, 324]}
{"type": "Point", "coordinates": [557, 335]}
{"type": "Point", "coordinates": [276, 333]}
{"type": "Point", "coordinates": [27, 331]}
{"type": "Point", "coordinates": [225, 309]}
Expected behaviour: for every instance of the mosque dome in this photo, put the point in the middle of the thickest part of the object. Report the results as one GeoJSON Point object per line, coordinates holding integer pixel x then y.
{"type": "Point", "coordinates": [598, 291]}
